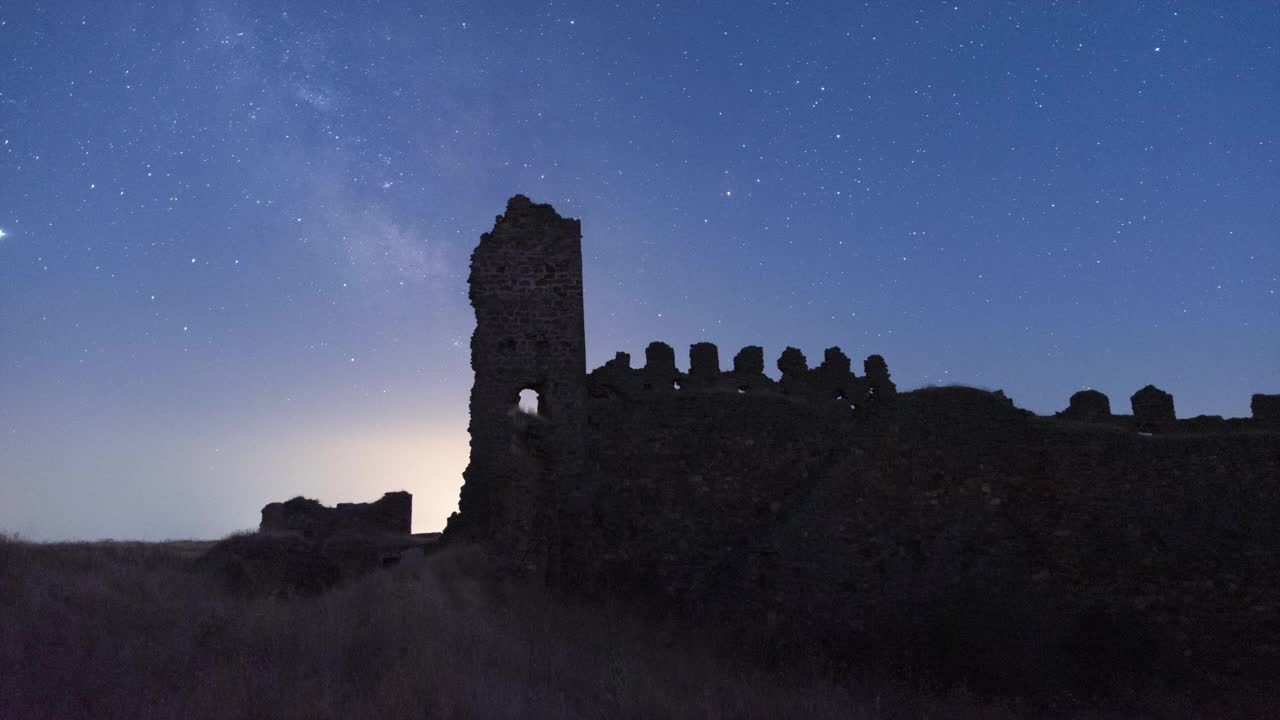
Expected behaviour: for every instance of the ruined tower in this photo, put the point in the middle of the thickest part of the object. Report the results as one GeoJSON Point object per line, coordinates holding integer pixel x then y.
{"type": "Point", "coordinates": [526, 288]}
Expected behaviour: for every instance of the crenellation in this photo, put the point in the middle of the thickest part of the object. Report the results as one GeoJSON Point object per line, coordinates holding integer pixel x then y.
{"type": "Point", "coordinates": [836, 363]}
{"type": "Point", "coordinates": [1152, 408]}
{"type": "Point", "coordinates": [749, 361]}
{"type": "Point", "coordinates": [834, 379]}
{"type": "Point", "coordinates": [1265, 408]}
{"type": "Point", "coordinates": [1089, 406]}
{"type": "Point", "coordinates": [795, 371]}
{"type": "Point", "coordinates": [877, 373]}
{"type": "Point", "coordinates": [704, 365]}
{"type": "Point", "coordinates": [748, 371]}
{"type": "Point", "coordinates": [660, 373]}
{"type": "Point", "coordinates": [659, 357]}
{"type": "Point", "coordinates": [614, 379]}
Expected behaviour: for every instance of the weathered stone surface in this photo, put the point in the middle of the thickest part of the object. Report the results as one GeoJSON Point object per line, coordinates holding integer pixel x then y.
{"type": "Point", "coordinates": [1152, 407]}
{"type": "Point", "coordinates": [749, 360]}
{"type": "Point", "coordinates": [833, 379]}
{"type": "Point", "coordinates": [704, 365]}
{"type": "Point", "coordinates": [852, 530]}
{"type": "Point", "coordinates": [795, 370]}
{"type": "Point", "coordinates": [828, 510]}
{"type": "Point", "coordinates": [660, 373]}
{"type": "Point", "coordinates": [748, 371]}
{"type": "Point", "coordinates": [301, 516]}
{"type": "Point", "coordinates": [614, 379]}
{"type": "Point", "coordinates": [877, 372]}
{"type": "Point", "coordinates": [1265, 408]}
{"type": "Point", "coordinates": [1088, 405]}
{"type": "Point", "coordinates": [392, 514]}
{"type": "Point", "coordinates": [526, 289]}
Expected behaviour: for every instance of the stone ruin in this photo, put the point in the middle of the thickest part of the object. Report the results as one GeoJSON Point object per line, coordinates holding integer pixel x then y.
{"type": "Point", "coordinates": [826, 508]}
{"type": "Point", "coordinates": [526, 288]}
{"type": "Point", "coordinates": [392, 514]}
{"type": "Point", "coordinates": [1088, 405]}
{"type": "Point", "coordinates": [1152, 406]}
{"type": "Point", "coordinates": [1265, 408]}
{"type": "Point", "coordinates": [304, 548]}
{"type": "Point", "coordinates": [833, 381]}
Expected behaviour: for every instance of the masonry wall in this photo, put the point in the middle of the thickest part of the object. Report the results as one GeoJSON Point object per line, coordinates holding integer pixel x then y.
{"type": "Point", "coordinates": [526, 289]}
{"type": "Point", "coordinates": [867, 534]}
{"type": "Point", "coordinates": [827, 510]}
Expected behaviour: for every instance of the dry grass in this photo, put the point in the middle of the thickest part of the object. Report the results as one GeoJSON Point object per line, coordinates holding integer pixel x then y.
{"type": "Point", "coordinates": [128, 630]}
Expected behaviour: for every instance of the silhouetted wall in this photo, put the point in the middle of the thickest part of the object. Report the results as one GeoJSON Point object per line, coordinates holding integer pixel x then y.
{"type": "Point", "coordinates": [526, 289]}
{"type": "Point", "coordinates": [1265, 408]}
{"type": "Point", "coordinates": [829, 508]}
{"type": "Point", "coordinates": [392, 514]}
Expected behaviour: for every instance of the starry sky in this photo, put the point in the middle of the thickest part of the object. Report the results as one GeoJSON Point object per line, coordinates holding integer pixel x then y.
{"type": "Point", "coordinates": [236, 234]}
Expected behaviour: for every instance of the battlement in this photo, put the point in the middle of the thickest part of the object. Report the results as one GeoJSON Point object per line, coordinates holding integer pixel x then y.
{"type": "Point", "coordinates": [832, 381]}
{"type": "Point", "coordinates": [1153, 412]}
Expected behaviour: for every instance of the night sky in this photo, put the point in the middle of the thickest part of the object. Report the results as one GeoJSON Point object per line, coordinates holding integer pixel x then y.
{"type": "Point", "coordinates": [236, 234]}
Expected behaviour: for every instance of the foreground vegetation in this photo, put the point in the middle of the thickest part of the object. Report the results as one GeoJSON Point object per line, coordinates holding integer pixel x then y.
{"type": "Point", "coordinates": [130, 630]}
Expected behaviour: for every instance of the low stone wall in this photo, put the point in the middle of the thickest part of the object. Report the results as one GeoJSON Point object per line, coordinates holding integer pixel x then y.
{"type": "Point", "coordinates": [392, 514]}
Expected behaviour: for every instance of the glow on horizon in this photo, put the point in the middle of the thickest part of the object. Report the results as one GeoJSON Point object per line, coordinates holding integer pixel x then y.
{"type": "Point", "coordinates": [358, 464]}
{"type": "Point", "coordinates": [213, 479]}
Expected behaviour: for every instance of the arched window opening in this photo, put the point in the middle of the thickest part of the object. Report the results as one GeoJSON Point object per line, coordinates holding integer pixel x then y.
{"type": "Point", "coordinates": [530, 402]}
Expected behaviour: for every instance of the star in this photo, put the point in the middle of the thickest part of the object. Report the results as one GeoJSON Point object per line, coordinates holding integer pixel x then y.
{"type": "Point", "coordinates": [3, 234]}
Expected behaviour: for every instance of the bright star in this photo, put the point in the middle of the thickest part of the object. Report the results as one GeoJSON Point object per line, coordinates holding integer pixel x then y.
{"type": "Point", "coordinates": [2, 234]}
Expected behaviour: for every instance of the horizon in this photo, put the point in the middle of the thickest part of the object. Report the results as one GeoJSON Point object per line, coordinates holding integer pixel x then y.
{"type": "Point", "coordinates": [234, 242]}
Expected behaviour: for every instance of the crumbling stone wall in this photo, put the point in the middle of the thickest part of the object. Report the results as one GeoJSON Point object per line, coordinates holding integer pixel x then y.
{"type": "Point", "coordinates": [526, 289]}
{"type": "Point", "coordinates": [873, 534]}
{"type": "Point", "coordinates": [304, 548]}
{"type": "Point", "coordinates": [1088, 405]}
{"type": "Point", "coordinates": [392, 514]}
{"type": "Point", "coordinates": [1152, 407]}
{"type": "Point", "coordinates": [957, 504]}
{"type": "Point", "coordinates": [1265, 408]}
{"type": "Point", "coordinates": [878, 376]}
{"type": "Point", "coordinates": [828, 509]}
{"type": "Point", "coordinates": [832, 381]}
{"type": "Point", "coordinates": [748, 370]}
